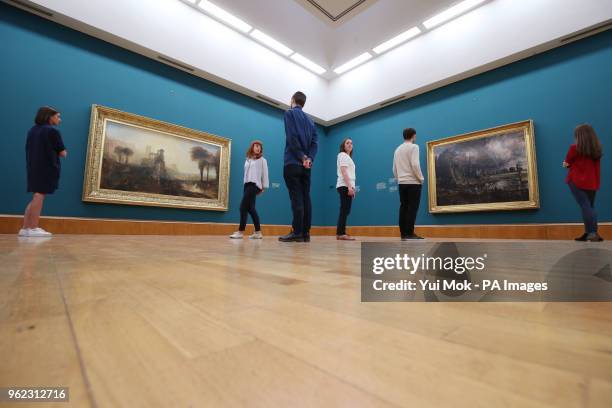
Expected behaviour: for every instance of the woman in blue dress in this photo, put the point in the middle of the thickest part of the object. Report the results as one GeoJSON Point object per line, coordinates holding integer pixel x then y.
{"type": "Point", "coordinates": [44, 147]}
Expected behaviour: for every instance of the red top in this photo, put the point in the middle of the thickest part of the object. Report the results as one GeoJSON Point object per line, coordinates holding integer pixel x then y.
{"type": "Point", "coordinates": [583, 170]}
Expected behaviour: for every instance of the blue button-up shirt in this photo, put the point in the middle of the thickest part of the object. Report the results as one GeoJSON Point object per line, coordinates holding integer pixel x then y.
{"type": "Point", "coordinates": [301, 137]}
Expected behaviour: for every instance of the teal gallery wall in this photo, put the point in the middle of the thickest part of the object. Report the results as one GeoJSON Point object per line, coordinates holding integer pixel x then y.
{"type": "Point", "coordinates": [558, 90]}
{"type": "Point", "coordinates": [45, 63]}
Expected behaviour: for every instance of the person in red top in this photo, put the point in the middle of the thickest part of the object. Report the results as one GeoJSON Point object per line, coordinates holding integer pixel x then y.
{"type": "Point", "coordinates": [583, 177]}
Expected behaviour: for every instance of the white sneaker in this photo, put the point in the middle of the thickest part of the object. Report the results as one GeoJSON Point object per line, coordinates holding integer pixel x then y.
{"type": "Point", "coordinates": [24, 232]}
{"type": "Point", "coordinates": [256, 235]}
{"type": "Point", "coordinates": [237, 235]}
{"type": "Point", "coordinates": [38, 232]}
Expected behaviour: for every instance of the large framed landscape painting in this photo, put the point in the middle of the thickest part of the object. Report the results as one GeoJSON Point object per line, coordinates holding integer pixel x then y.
{"type": "Point", "coordinates": [493, 169]}
{"type": "Point", "coordinates": [136, 160]}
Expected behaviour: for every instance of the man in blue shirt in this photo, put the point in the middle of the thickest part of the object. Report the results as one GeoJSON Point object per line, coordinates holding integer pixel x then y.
{"type": "Point", "coordinates": [300, 152]}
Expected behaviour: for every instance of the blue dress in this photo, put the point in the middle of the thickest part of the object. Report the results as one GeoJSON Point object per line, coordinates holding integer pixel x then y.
{"type": "Point", "coordinates": [43, 146]}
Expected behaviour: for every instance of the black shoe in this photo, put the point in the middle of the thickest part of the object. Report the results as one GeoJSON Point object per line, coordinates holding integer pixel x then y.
{"type": "Point", "coordinates": [307, 237]}
{"type": "Point", "coordinates": [291, 237]}
{"type": "Point", "coordinates": [594, 237]}
{"type": "Point", "coordinates": [583, 237]}
{"type": "Point", "coordinates": [411, 237]}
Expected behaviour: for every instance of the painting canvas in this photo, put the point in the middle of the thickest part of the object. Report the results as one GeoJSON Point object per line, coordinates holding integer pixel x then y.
{"type": "Point", "coordinates": [493, 169]}
{"type": "Point", "coordinates": [142, 161]}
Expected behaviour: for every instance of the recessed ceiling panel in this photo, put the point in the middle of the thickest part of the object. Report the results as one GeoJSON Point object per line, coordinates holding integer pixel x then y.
{"type": "Point", "coordinates": [335, 12]}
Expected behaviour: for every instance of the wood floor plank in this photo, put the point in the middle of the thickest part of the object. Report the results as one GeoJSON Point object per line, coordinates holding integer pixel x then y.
{"type": "Point", "coordinates": [192, 331]}
{"type": "Point", "coordinates": [41, 353]}
{"type": "Point", "coordinates": [130, 364]}
{"type": "Point", "coordinates": [362, 351]}
{"type": "Point", "coordinates": [600, 394]}
{"type": "Point", "coordinates": [548, 347]}
{"type": "Point", "coordinates": [257, 374]}
{"type": "Point", "coordinates": [28, 285]}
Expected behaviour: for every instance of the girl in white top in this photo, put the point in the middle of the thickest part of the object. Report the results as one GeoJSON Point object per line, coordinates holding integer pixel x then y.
{"type": "Point", "coordinates": [345, 186]}
{"type": "Point", "coordinates": [255, 182]}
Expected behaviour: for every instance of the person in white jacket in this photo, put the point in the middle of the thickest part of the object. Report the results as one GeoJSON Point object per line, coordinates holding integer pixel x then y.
{"type": "Point", "coordinates": [255, 183]}
{"type": "Point", "coordinates": [407, 172]}
{"type": "Point", "coordinates": [345, 169]}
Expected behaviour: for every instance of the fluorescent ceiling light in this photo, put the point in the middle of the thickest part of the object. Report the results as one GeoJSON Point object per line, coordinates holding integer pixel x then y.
{"type": "Point", "coordinates": [272, 43]}
{"type": "Point", "coordinates": [405, 36]}
{"type": "Point", "coordinates": [224, 16]}
{"type": "Point", "coordinates": [305, 62]}
{"type": "Point", "coordinates": [353, 63]}
{"type": "Point", "coordinates": [451, 13]}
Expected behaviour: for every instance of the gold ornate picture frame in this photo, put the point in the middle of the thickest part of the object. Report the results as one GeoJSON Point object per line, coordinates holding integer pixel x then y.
{"type": "Point", "coordinates": [487, 170]}
{"type": "Point", "coordinates": [136, 160]}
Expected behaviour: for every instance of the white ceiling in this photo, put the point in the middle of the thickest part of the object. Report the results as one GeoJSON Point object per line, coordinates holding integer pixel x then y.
{"type": "Point", "coordinates": [497, 33]}
{"type": "Point", "coordinates": [309, 32]}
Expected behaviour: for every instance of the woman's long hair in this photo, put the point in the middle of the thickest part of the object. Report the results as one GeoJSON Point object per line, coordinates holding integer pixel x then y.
{"type": "Point", "coordinates": [250, 154]}
{"type": "Point", "coordinates": [342, 148]}
{"type": "Point", "coordinates": [587, 143]}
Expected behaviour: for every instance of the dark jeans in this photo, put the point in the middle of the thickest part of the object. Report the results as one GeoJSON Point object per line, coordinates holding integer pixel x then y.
{"type": "Point", "coordinates": [410, 198]}
{"type": "Point", "coordinates": [586, 201]}
{"type": "Point", "coordinates": [297, 179]}
{"type": "Point", "coordinates": [345, 209]}
{"type": "Point", "coordinates": [248, 206]}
